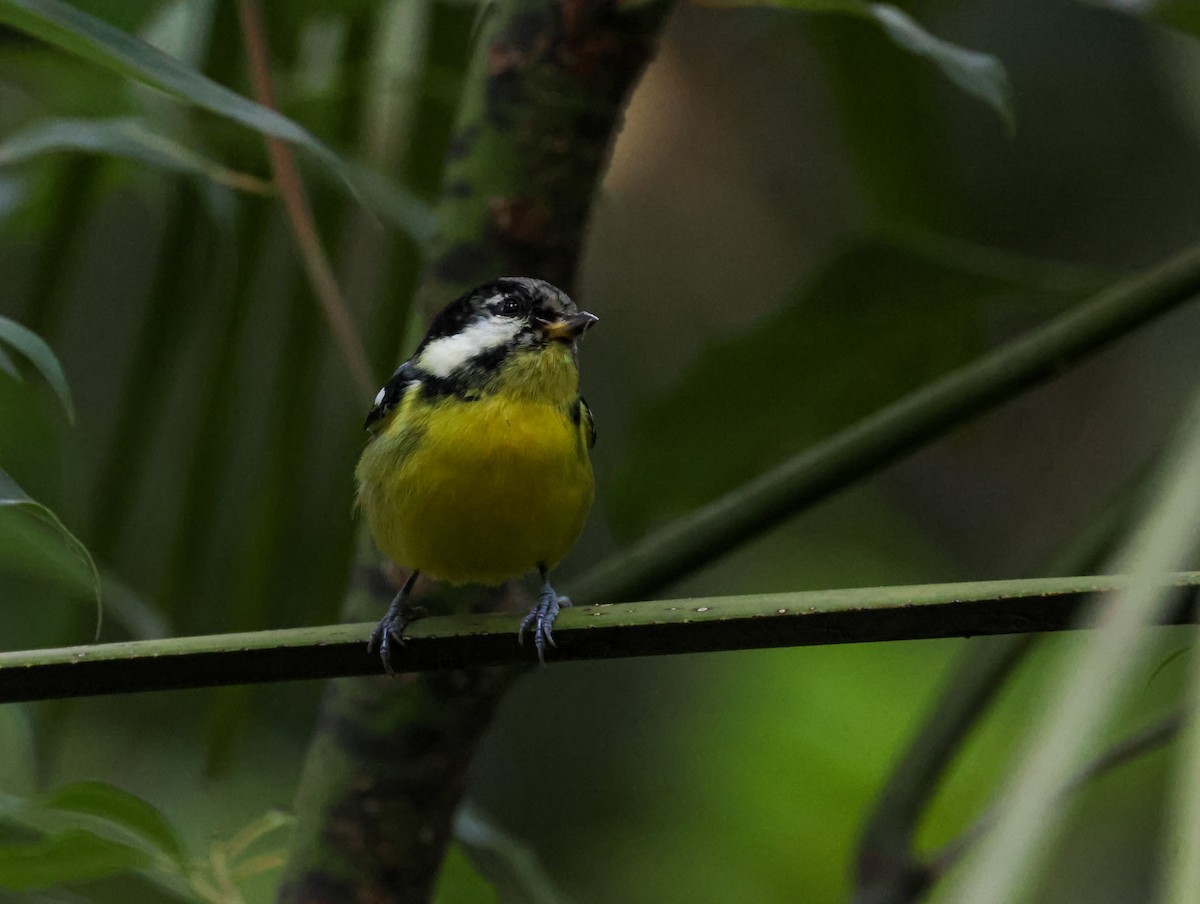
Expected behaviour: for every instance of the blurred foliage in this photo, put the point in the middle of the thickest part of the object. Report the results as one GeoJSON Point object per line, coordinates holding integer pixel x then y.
{"type": "Point", "coordinates": [882, 318]}
{"type": "Point", "coordinates": [976, 73]}
{"type": "Point", "coordinates": [851, 200]}
{"type": "Point", "coordinates": [90, 831]}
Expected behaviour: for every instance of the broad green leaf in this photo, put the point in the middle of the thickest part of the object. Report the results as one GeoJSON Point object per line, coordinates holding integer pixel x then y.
{"type": "Point", "coordinates": [132, 138]}
{"type": "Point", "coordinates": [127, 137]}
{"type": "Point", "coordinates": [396, 203]}
{"type": "Point", "coordinates": [127, 810]}
{"type": "Point", "coordinates": [127, 14]}
{"type": "Point", "coordinates": [72, 856]}
{"type": "Point", "coordinates": [12, 496]}
{"type": "Point", "coordinates": [31, 345]}
{"type": "Point", "coordinates": [879, 320]}
{"type": "Point", "coordinates": [128, 609]}
{"type": "Point", "coordinates": [32, 547]}
{"type": "Point", "coordinates": [94, 40]}
{"type": "Point", "coordinates": [979, 74]}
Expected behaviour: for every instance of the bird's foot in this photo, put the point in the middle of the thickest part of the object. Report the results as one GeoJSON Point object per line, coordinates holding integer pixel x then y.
{"type": "Point", "coordinates": [389, 633]}
{"type": "Point", "coordinates": [541, 617]}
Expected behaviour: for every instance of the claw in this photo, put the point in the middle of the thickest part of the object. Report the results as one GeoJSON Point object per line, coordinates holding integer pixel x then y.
{"type": "Point", "coordinates": [389, 633]}
{"type": "Point", "coordinates": [542, 617]}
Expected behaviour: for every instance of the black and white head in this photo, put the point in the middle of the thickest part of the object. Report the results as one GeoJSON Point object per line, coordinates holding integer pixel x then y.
{"type": "Point", "coordinates": [476, 333]}
{"type": "Point", "coordinates": [469, 344]}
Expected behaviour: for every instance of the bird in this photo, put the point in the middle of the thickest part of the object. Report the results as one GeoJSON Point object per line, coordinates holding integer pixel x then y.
{"type": "Point", "coordinates": [477, 468]}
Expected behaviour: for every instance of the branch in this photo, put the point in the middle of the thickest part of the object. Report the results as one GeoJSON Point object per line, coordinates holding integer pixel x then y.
{"type": "Point", "coordinates": [919, 876]}
{"type": "Point", "coordinates": [651, 628]}
{"type": "Point", "coordinates": [1128, 749]}
{"type": "Point", "coordinates": [544, 96]}
{"type": "Point", "coordinates": [870, 444]}
{"type": "Point", "coordinates": [299, 211]}
{"type": "Point", "coordinates": [887, 867]}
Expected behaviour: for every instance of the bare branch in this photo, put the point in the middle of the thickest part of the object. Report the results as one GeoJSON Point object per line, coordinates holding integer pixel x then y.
{"type": "Point", "coordinates": [1128, 749]}
{"type": "Point", "coordinates": [651, 628]}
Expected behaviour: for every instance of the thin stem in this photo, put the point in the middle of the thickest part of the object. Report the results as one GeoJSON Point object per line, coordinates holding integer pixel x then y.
{"type": "Point", "coordinates": [1124, 751]}
{"type": "Point", "coordinates": [593, 632]}
{"type": "Point", "coordinates": [888, 869]}
{"type": "Point", "coordinates": [299, 210]}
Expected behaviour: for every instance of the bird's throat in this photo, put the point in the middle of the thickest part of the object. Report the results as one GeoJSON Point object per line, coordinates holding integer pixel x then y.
{"type": "Point", "coordinates": [548, 374]}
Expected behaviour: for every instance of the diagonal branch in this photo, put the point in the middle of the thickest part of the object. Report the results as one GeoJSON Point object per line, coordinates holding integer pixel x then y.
{"type": "Point", "coordinates": [887, 867]}
{"type": "Point", "coordinates": [299, 210]}
{"type": "Point", "coordinates": [1127, 750]}
{"type": "Point", "coordinates": [914, 420]}
{"type": "Point", "coordinates": [593, 632]}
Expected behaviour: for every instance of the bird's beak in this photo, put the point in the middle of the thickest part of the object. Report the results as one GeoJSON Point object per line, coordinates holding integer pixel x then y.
{"type": "Point", "coordinates": [569, 328]}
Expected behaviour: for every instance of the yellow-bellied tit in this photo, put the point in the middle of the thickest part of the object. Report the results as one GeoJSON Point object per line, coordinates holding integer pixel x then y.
{"type": "Point", "coordinates": [477, 469]}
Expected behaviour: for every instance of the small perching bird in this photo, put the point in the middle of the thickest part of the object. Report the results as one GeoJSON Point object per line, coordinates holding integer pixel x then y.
{"type": "Point", "coordinates": [478, 468]}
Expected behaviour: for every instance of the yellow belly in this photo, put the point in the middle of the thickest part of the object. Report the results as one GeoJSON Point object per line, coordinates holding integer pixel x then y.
{"type": "Point", "coordinates": [477, 492]}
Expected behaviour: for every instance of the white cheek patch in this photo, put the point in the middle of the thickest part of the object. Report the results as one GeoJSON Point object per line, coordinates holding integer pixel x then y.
{"type": "Point", "coordinates": [444, 356]}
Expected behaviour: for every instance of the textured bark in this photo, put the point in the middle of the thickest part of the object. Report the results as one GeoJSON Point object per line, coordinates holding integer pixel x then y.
{"type": "Point", "coordinates": [388, 762]}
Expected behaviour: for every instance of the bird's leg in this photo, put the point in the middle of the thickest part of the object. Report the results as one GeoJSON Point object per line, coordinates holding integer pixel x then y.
{"type": "Point", "coordinates": [390, 629]}
{"type": "Point", "coordinates": [542, 617]}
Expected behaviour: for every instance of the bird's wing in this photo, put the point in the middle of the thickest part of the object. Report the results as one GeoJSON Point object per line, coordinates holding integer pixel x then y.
{"type": "Point", "coordinates": [589, 422]}
{"type": "Point", "coordinates": [393, 391]}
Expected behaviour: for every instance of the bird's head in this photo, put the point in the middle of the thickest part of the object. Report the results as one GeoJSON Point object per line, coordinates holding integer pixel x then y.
{"type": "Point", "coordinates": [502, 327]}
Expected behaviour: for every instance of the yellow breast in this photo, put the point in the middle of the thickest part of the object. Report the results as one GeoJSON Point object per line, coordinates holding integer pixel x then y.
{"type": "Point", "coordinates": [477, 491]}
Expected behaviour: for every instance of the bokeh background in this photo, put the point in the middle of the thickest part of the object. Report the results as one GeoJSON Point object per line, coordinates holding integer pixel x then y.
{"type": "Point", "coordinates": [800, 223]}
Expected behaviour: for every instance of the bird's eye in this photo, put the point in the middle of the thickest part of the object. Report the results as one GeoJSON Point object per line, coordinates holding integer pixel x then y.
{"type": "Point", "coordinates": [510, 306]}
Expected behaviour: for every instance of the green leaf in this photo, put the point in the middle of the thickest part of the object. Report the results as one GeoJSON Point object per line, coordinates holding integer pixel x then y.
{"type": "Point", "coordinates": [72, 856]}
{"type": "Point", "coordinates": [126, 608]}
{"type": "Point", "coordinates": [979, 74]}
{"type": "Point", "coordinates": [396, 203]}
{"type": "Point", "coordinates": [127, 14]}
{"type": "Point", "coordinates": [32, 547]}
{"type": "Point", "coordinates": [127, 810]}
{"type": "Point", "coordinates": [882, 318]}
{"type": "Point", "coordinates": [31, 345]}
{"type": "Point", "coordinates": [94, 40]}
{"type": "Point", "coordinates": [127, 137]}
{"type": "Point", "coordinates": [133, 138]}
{"type": "Point", "coordinates": [11, 495]}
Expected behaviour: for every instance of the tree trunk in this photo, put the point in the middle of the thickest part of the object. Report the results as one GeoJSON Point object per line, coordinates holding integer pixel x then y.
{"type": "Point", "coordinates": [388, 762]}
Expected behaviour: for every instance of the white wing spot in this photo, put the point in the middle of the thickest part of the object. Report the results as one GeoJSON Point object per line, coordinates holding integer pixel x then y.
{"type": "Point", "coordinates": [382, 393]}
